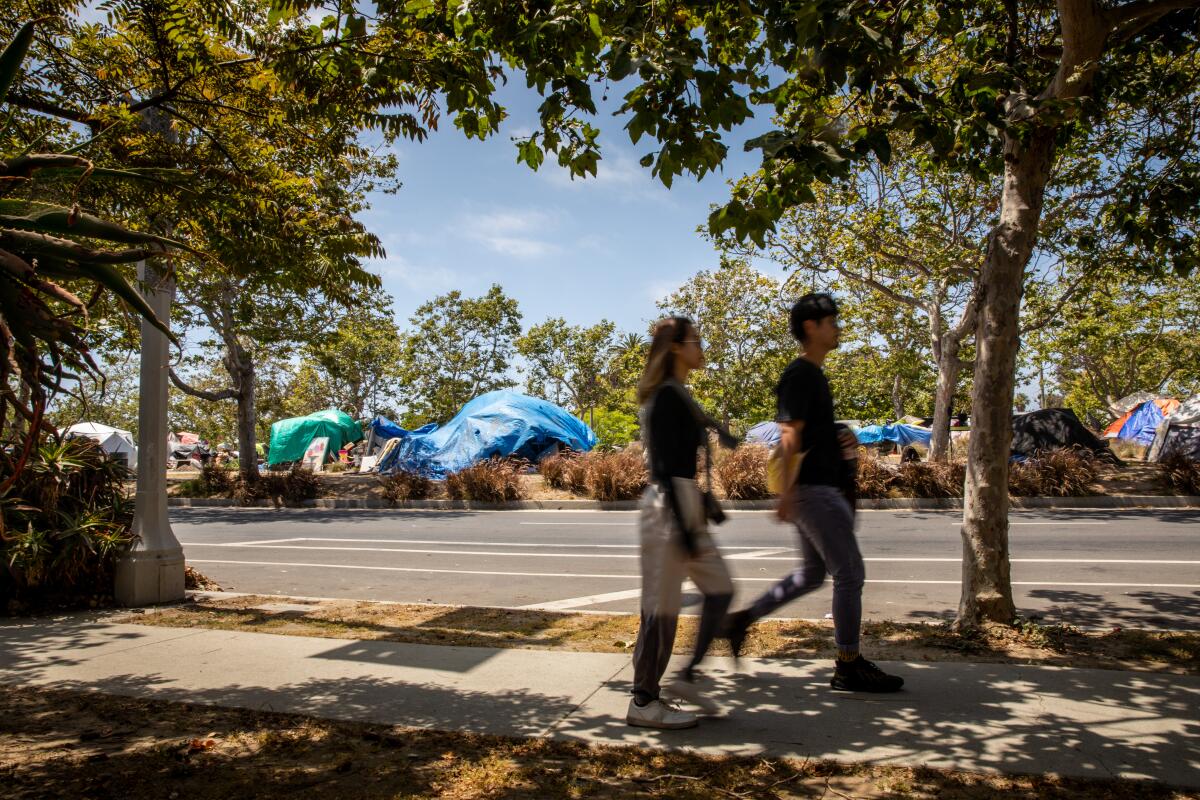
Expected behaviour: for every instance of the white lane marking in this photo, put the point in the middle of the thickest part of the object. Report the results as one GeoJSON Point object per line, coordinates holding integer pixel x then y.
{"type": "Point", "coordinates": [265, 541]}
{"type": "Point", "coordinates": [588, 600]}
{"type": "Point", "coordinates": [427, 551]}
{"type": "Point", "coordinates": [761, 555]}
{"type": "Point", "coordinates": [633, 576]}
{"type": "Point", "coordinates": [755, 554]}
{"type": "Point", "coordinates": [958, 524]}
{"type": "Point", "coordinates": [457, 543]}
{"type": "Point", "coordinates": [589, 524]}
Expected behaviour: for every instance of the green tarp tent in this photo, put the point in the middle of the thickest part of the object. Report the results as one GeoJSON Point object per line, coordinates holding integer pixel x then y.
{"type": "Point", "coordinates": [291, 437]}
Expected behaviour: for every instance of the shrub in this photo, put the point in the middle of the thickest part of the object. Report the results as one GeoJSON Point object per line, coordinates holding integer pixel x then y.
{"type": "Point", "coordinates": [290, 487]}
{"type": "Point", "coordinates": [66, 521]}
{"type": "Point", "coordinates": [1178, 473]}
{"type": "Point", "coordinates": [743, 473]}
{"type": "Point", "coordinates": [932, 479]}
{"type": "Point", "coordinates": [614, 429]}
{"type": "Point", "coordinates": [214, 481]}
{"type": "Point", "coordinates": [617, 475]}
{"type": "Point", "coordinates": [1054, 473]}
{"type": "Point", "coordinates": [491, 481]}
{"type": "Point", "coordinates": [336, 466]}
{"type": "Point", "coordinates": [400, 487]}
{"type": "Point", "coordinates": [875, 478]}
{"type": "Point", "coordinates": [567, 471]}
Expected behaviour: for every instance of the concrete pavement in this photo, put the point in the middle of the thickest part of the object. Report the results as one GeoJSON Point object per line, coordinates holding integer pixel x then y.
{"type": "Point", "coordinates": [978, 717]}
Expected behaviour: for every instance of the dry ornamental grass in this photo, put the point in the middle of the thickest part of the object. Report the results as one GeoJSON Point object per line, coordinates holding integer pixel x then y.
{"type": "Point", "coordinates": [1054, 473]}
{"type": "Point", "coordinates": [566, 471]}
{"type": "Point", "coordinates": [491, 481]}
{"type": "Point", "coordinates": [743, 473]}
{"type": "Point", "coordinates": [400, 487]}
{"type": "Point", "coordinates": [931, 479]}
{"type": "Point", "coordinates": [1180, 474]}
{"type": "Point", "coordinates": [616, 475]}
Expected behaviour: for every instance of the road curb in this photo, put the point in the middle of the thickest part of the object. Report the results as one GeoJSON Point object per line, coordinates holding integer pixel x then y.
{"type": "Point", "coordinates": [1143, 502]}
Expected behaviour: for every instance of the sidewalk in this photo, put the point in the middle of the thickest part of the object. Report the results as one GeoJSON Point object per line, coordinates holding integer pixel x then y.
{"type": "Point", "coordinates": [976, 717]}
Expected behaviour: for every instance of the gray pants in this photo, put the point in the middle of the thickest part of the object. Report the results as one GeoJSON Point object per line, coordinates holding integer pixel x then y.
{"type": "Point", "coordinates": [825, 522]}
{"type": "Point", "coordinates": [665, 564]}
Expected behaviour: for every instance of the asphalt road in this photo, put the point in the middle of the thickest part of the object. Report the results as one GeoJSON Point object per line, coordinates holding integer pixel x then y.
{"type": "Point", "coordinates": [1088, 568]}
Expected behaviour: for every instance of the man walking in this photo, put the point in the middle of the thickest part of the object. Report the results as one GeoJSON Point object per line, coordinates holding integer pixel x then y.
{"type": "Point", "coordinates": [815, 504]}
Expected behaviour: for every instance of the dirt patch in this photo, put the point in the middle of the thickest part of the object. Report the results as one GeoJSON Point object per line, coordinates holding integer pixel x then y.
{"type": "Point", "coordinates": [1029, 643]}
{"type": "Point", "coordinates": [1131, 479]}
{"type": "Point", "coordinates": [63, 744]}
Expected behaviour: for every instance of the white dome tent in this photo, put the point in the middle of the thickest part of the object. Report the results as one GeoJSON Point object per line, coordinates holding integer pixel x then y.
{"type": "Point", "coordinates": [114, 441]}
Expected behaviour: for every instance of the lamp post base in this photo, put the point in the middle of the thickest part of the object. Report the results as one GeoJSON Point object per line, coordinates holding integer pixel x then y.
{"type": "Point", "coordinates": [146, 577]}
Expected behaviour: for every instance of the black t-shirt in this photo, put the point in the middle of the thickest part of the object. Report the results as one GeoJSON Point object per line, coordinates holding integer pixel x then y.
{"type": "Point", "coordinates": [803, 395]}
{"type": "Point", "coordinates": [675, 435]}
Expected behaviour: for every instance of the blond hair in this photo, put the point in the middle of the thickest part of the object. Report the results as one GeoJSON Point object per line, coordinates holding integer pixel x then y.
{"type": "Point", "coordinates": [660, 361]}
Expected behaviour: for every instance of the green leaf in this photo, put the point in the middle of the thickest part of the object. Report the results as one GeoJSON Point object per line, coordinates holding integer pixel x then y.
{"type": "Point", "coordinates": [13, 55]}
{"type": "Point", "coordinates": [61, 221]}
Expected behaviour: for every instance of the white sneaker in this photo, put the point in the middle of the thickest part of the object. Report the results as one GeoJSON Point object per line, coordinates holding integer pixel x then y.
{"type": "Point", "coordinates": [659, 714]}
{"type": "Point", "coordinates": [694, 691]}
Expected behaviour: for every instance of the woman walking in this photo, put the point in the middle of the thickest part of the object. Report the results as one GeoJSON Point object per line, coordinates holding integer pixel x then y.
{"type": "Point", "coordinates": [675, 542]}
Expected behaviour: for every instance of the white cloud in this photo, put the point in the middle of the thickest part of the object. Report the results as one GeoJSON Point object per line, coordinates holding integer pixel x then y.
{"type": "Point", "coordinates": [419, 279]}
{"type": "Point", "coordinates": [618, 171]}
{"type": "Point", "coordinates": [517, 234]}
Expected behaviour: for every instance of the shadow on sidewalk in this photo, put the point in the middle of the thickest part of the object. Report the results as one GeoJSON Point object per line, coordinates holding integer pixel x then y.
{"type": "Point", "coordinates": [1082, 723]}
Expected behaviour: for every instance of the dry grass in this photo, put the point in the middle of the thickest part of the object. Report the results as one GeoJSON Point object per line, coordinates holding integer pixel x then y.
{"type": "Point", "coordinates": [566, 471]}
{"type": "Point", "coordinates": [613, 633]}
{"type": "Point", "coordinates": [743, 473]}
{"type": "Point", "coordinates": [1054, 473]}
{"type": "Point", "coordinates": [932, 479]}
{"type": "Point", "coordinates": [1179, 474]}
{"type": "Point", "coordinates": [56, 743]}
{"type": "Point", "coordinates": [400, 487]}
{"type": "Point", "coordinates": [875, 478]}
{"type": "Point", "coordinates": [616, 475]}
{"type": "Point", "coordinates": [491, 481]}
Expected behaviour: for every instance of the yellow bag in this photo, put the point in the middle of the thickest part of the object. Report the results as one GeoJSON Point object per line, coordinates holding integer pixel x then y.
{"type": "Point", "coordinates": [780, 471]}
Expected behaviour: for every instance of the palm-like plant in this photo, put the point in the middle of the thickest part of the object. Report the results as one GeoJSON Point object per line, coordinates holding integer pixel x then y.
{"type": "Point", "coordinates": [48, 253]}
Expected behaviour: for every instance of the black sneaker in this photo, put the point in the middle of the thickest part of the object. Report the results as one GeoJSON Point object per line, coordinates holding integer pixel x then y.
{"type": "Point", "coordinates": [861, 675]}
{"type": "Point", "coordinates": [736, 626]}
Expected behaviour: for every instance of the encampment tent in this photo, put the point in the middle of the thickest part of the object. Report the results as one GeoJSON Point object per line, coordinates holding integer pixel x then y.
{"type": "Point", "coordinates": [500, 423]}
{"type": "Point", "coordinates": [1139, 423]}
{"type": "Point", "coordinates": [1054, 428]}
{"type": "Point", "coordinates": [1178, 433]}
{"type": "Point", "coordinates": [903, 435]}
{"type": "Point", "coordinates": [114, 441]}
{"type": "Point", "coordinates": [764, 433]}
{"type": "Point", "coordinates": [290, 437]}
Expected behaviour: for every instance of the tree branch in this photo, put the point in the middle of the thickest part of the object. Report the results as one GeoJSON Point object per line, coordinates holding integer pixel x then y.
{"type": "Point", "coordinates": [1146, 9]}
{"type": "Point", "coordinates": [224, 394]}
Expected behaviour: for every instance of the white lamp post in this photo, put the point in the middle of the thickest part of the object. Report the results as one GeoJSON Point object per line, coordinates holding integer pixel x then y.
{"type": "Point", "coordinates": [153, 571]}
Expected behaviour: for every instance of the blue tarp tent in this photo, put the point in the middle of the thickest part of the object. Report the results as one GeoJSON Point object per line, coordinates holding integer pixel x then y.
{"type": "Point", "coordinates": [500, 423]}
{"type": "Point", "coordinates": [385, 429]}
{"type": "Point", "coordinates": [764, 433]}
{"type": "Point", "coordinates": [1142, 423]}
{"type": "Point", "coordinates": [899, 433]}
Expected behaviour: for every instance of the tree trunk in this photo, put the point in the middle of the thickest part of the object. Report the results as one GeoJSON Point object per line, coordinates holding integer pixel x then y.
{"type": "Point", "coordinates": [241, 369]}
{"type": "Point", "coordinates": [949, 368]}
{"type": "Point", "coordinates": [897, 400]}
{"type": "Point", "coordinates": [986, 586]}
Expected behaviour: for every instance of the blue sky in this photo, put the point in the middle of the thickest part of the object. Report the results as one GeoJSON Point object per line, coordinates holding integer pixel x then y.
{"type": "Point", "coordinates": [468, 215]}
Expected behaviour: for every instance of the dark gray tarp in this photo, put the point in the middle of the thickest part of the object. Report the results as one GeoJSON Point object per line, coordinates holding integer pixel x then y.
{"type": "Point", "coordinates": [1051, 428]}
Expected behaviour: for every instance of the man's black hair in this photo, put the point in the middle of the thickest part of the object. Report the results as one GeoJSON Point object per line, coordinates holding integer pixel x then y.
{"type": "Point", "coordinates": [812, 306]}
